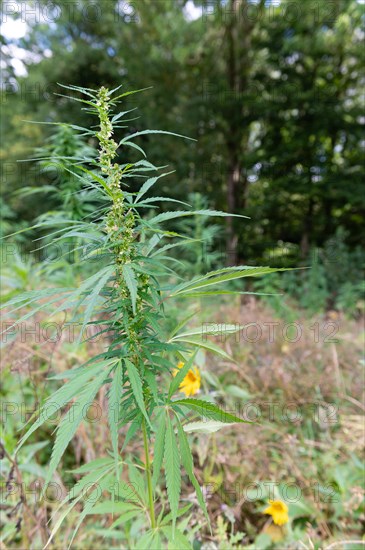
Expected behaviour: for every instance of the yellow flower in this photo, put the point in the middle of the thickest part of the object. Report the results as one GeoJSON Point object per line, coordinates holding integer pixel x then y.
{"type": "Point", "coordinates": [279, 512]}
{"type": "Point", "coordinates": [285, 348]}
{"type": "Point", "coordinates": [191, 383]}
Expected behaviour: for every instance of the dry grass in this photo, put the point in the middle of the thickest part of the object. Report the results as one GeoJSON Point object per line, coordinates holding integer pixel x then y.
{"type": "Point", "coordinates": [320, 380]}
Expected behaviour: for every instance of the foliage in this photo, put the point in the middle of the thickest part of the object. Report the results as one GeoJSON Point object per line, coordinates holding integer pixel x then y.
{"type": "Point", "coordinates": [278, 114]}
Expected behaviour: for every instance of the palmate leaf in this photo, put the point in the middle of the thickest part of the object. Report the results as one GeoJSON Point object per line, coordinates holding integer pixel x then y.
{"type": "Point", "coordinates": [130, 514]}
{"type": "Point", "coordinates": [131, 282]}
{"type": "Point", "coordinates": [134, 146]}
{"type": "Point", "coordinates": [206, 426]}
{"type": "Point", "coordinates": [150, 201]}
{"type": "Point", "coordinates": [136, 385]}
{"type": "Point", "coordinates": [91, 480]}
{"type": "Point", "coordinates": [159, 448]}
{"type": "Point", "coordinates": [182, 213]}
{"type": "Point", "coordinates": [115, 397]}
{"type": "Point", "coordinates": [92, 300]}
{"type": "Point", "coordinates": [64, 395]}
{"type": "Point", "coordinates": [208, 410]}
{"type": "Point", "coordinates": [187, 460]}
{"type": "Point", "coordinates": [176, 539]}
{"type": "Point", "coordinates": [221, 276]}
{"type": "Point", "coordinates": [91, 502]}
{"type": "Point", "coordinates": [198, 342]}
{"type": "Point", "coordinates": [148, 184]}
{"type": "Point", "coordinates": [70, 422]}
{"type": "Point", "coordinates": [211, 328]}
{"type": "Point", "coordinates": [145, 187]}
{"type": "Point", "coordinates": [183, 242]}
{"type": "Point", "coordinates": [97, 282]}
{"type": "Point", "coordinates": [112, 507]}
{"type": "Point", "coordinates": [125, 94]}
{"type": "Point", "coordinates": [146, 132]}
{"type": "Point", "coordinates": [172, 470]}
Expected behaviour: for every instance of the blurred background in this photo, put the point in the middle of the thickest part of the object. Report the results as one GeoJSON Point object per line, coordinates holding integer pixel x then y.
{"type": "Point", "coordinates": [272, 92]}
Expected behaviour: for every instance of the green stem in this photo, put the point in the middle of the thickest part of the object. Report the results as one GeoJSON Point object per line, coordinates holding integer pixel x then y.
{"type": "Point", "coordinates": [149, 477]}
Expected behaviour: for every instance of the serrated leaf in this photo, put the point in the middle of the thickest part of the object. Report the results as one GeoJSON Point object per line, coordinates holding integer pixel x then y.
{"type": "Point", "coordinates": [134, 146]}
{"type": "Point", "coordinates": [62, 396]}
{"type": "Point", "coordinates": [136, 385]}
{"type": "Point", "coordinates": [93, 298]}
{"type": "Point", "coordinates": [77, 492]}
{"type": "Point", "coordinates": [182, 213]}
{"type": "Point", "coordinates": [187, 460]}
{"type": "Point", "coordinates": [206, 345]}
{"type": "Point", "coordinates": [112, 507]}
{"type": "Point", "coordinates": [222, 276]}
{"type": "Point", "coordinates": [148, 184]}
{"type": "Point", "coordinates": [146, 132]}
{"type": "Point", "coordinates": [211, 328]}
{"type": "Point", "coordinates": [208, 410]}
{"type": "Point", "coordinates": [145, 540]}
{"type": "Point", "coordinates": [131, 282]}
{"type": "Point", "coordinates": [176, 540]}
{"type": "Point", "coordinates": [207, 427]}
{"type": "Point", "coordinates": [115, 397]}
{"type": "Point", "coordinates": [159, 448]}
{"type": "Point", "coordinates": [172, 470]}
{"type": "Point", "coordinates": [90, 503]}
{"type": "Point", "coordinates": [70, 422]}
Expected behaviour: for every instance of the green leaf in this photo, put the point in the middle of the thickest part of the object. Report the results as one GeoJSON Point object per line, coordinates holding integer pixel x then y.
{"type": "Point", "coordinates": [159, 448]}
{"type": "Point", "coordinates": [148, 184]}
{"type": "Point", "coordinates": [94, 296]}
{"type": "Point", "coordinates": [206, 427]}
{"type": "Point", "coordinates": [93, 465]}
{"type": "Point", "coordinates": [136, 385]}
{"type": "Point", "coordinates": [125, 517]}
{"type": "Point", "coordinates": [112, 507]}
{"type": "Point", "coordinates": [176, 540]}
{"type": "Point", "coordinates": [98, 179]}
{"type": "Point", "coordinates": [211, 328]}
{"type": "Point", "coordinates": [172, 470]}
{"type": "Point", "coordinates": [182, 213]}
{"type": "Point", "coordinates": [146, 132]}
{"type": "Point", "coordinates": [62, 396]}
{"type": "Point", "coordinates": [208, 410]}
{"type": "Point", "coordinates": [207, 345]}
{"type": "Point", "coordinates": [187, 460]}
{"type": "Point", "coordinates": [70, 422]}
{"type": "Point", "coordinates": [224, 275]}
{"type": "Point", "coordinates": [134, 146]}
{"type": "Point", "coordinates": [115, 397]}
{"type": "Point", "coordinates": [125, 94]}
{"type": "Point", "coordinates": [91, 503]}
{"type": "Point", "coordinates": [131, 282]}
{"type": "Point", "coordinates": [137, 483]}
{"type": "Point", "coordinates": [145, 541]}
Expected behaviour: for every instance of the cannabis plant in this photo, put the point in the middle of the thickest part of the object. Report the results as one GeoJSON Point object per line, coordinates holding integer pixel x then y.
{"type": "Point", "coordinates": [126, 298]}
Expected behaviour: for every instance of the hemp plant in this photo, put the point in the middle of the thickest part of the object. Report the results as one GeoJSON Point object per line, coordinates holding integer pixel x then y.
{"type": "Point", "coordinates": [126, 299]}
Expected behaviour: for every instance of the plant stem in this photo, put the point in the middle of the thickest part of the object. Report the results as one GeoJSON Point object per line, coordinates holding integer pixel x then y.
{"type": "Point", "coordinates": [149, 477]}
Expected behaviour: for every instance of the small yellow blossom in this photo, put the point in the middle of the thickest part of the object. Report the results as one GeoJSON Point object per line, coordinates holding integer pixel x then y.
{"type": "Point", "coordinates": [279, 512]}
{"type": "Point", "coordinates": [191, 383]}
